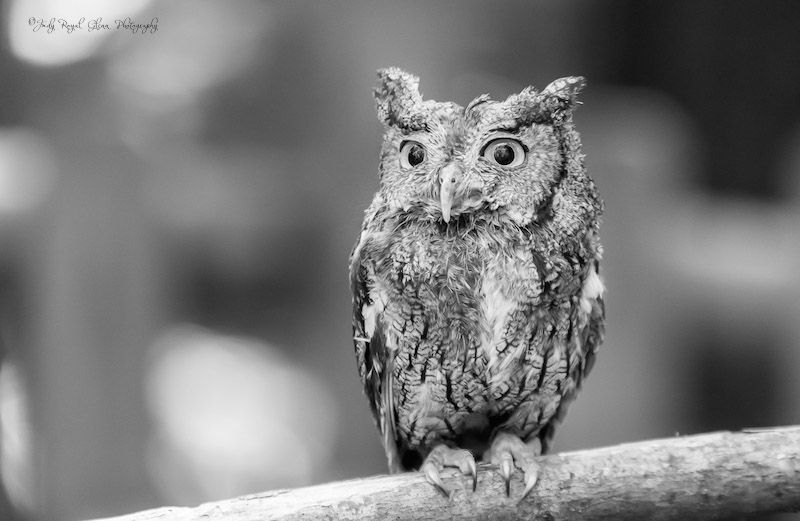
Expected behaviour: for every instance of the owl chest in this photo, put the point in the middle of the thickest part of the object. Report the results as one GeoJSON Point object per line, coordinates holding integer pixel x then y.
{"type": "Point", "coordinates": [459, 295]}
{"type": "Point", "coordinates": [457, 316]}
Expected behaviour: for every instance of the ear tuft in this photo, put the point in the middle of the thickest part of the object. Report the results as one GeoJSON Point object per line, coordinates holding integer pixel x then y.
{"type": "Point", "coordinates": [398, 101]}
{"type": "Point", "coordinates": [566, 90]}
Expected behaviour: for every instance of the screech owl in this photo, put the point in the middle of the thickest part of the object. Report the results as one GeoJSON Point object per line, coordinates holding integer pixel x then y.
{"type": "Point", "coordinates": [477, 303]}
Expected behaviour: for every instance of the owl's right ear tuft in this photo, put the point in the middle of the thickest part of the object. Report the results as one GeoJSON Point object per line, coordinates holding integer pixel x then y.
{"type": "Point", "coordinates": [398, 101]}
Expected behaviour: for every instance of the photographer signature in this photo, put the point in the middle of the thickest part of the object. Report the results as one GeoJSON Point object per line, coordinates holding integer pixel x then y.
{"type": "Point", "coordinates": [52, 25]}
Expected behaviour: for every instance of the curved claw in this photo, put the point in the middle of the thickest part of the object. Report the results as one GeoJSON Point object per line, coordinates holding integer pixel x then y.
{"type": "Point", "coordinates": [468, 468]}
{"type": "Point", "coordinates": [474, 477]}
{"type": "Point", "coordinates": [506, 470]}
{"type": "Point", "coordinates": [443, 456]}
{"type": "Point", "coordinates": [508, 450]}
{"type": "Point", "coordinates": [432, 475]}
{"type": "Point", "coordinates": [531, 477]}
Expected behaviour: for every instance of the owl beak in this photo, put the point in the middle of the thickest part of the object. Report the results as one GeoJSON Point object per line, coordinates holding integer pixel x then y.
{"type": "Point", "coordinates": [449, 177]}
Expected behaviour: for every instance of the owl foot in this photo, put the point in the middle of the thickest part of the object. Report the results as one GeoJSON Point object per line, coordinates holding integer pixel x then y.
{"type": "Point", "coordinates": [443, 456]}
{"type": "Point", "coordinates": [507, 451]}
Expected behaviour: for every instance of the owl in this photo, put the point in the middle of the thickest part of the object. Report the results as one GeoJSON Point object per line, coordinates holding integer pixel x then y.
{"type": "Point", "coordinates": [477, 304]}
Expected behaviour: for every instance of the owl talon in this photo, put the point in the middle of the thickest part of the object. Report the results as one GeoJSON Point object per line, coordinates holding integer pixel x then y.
{"type": "Point", "coordinates": [507, 451]}
{"type": "Point", "coordinates": [506, 470]}
{"type": "Point", "coordinates": [443, 456]}
{"type": "Point", "coordinates": [531, 477]}
{"type": "Point", "coordinates": [433, 477]}
{"type": "Point", "coordinates": [468, 468]}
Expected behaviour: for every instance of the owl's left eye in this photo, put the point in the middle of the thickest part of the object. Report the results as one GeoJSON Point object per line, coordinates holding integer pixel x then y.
{"type": "Point", "coordinates": [412, 153]}
{"type": "Point", "coordinates": [505, 152]}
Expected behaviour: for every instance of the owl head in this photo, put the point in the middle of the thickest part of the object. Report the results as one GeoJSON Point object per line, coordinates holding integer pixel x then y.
{"type": "Point", "coordinates": [519, 158]}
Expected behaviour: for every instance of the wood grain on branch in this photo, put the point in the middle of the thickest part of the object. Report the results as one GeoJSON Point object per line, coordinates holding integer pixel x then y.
{"type": "Point", "coordinates": [691, 477]}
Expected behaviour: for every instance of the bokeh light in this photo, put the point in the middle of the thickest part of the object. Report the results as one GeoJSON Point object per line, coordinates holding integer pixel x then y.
{"type": "Point", "coordinates": [232, 416]}
{"type": "Point", "coordinates": [27, 170]}
{"type": "Point", "coordinates": [16, 438]}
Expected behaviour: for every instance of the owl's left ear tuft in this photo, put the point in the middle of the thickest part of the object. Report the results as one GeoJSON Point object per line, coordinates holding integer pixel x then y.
{"type": "Point", "coordinates": [397, 97]}
{"type": "Point", "coordinates": [551, 105]}
{"type": "Point", "coordinates": [565, 90]}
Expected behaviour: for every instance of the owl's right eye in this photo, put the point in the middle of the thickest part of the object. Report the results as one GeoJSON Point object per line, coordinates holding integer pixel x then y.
{"type": "Point", "coordinates": [412, 153]}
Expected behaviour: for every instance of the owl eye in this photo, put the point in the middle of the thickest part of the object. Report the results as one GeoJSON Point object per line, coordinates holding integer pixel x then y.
{"type": "Point", "coordinates": [505, 152]}
{"type": "Point", "coordinates": [412, 153]}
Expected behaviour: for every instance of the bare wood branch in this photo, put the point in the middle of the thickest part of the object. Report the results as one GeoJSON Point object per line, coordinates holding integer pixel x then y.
{"type": "Point", "coordinates": [693, 477]}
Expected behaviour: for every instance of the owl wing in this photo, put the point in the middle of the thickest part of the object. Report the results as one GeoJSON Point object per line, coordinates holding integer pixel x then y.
{"type": "Point", "coordinates": [589, 327]}
{"type": "Point", "coordinates": [375, 366]}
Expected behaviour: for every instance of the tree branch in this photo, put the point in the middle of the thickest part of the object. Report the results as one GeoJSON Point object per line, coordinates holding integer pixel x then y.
{"type": "Point", "coordinates": [692, 477]}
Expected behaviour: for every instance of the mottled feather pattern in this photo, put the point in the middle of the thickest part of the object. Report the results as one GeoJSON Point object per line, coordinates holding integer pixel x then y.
{"type": "Point", "coordinates": [487, 321]}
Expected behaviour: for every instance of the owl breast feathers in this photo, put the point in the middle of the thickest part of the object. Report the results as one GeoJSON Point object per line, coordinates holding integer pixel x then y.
{"type": "Point", "coordinates": [477, 303]}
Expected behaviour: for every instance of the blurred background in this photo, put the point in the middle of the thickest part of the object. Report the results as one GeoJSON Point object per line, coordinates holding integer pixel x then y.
{"type": "Point", "coordinates": [177, 208]}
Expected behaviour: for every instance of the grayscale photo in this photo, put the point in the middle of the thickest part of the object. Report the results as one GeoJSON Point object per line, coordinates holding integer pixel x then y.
{"type": "Point", "coordinates": [399, 260]}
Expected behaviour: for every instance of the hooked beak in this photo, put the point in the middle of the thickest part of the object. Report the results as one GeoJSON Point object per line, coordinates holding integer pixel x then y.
{"type": "Point", "coordinates": [449, 177]}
